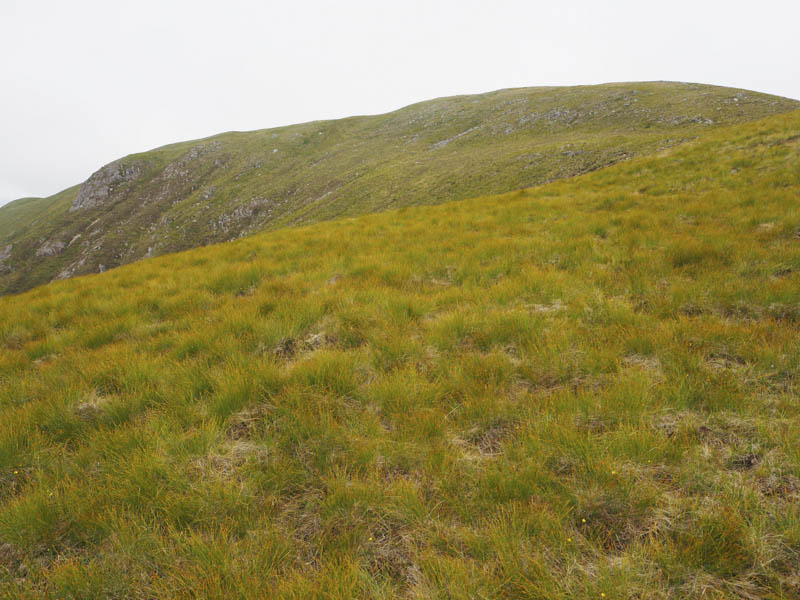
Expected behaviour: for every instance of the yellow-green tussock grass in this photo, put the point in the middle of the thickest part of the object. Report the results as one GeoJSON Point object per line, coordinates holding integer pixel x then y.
{"type": "Point", "coordinates": [582, 390]}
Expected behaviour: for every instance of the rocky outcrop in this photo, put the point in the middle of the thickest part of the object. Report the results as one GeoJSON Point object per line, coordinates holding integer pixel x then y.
{"type": "Point", "coordinates": [98, 189]}
{"type": "Point", "coordinates": [444, 143]}
{"type": "Point", "coordinates": [182, 167]}
{"type": "Point", "coordinates": [69, 271]}
{"type": "Point", "coordinates": [50, 248]}
{"type": "Point", "coordinates": [5, 254]}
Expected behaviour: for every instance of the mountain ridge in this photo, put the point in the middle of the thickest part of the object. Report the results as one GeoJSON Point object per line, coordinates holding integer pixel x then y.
{"type": "Point", "coordinates": [228, 185]}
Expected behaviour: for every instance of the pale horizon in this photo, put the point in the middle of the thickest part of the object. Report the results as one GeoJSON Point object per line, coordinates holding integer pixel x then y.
{"type": "Point", "coordinates": [88, 83]}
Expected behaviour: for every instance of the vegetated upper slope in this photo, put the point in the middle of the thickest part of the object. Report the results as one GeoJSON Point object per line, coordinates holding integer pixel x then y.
{"type": "Point", "coordinates": [581, 389]}
{"type": "Point", "coordinates": [231, 185]}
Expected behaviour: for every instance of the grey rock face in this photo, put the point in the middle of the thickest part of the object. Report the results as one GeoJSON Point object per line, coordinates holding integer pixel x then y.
{"type": "Point", "coordinates": [5, 254]}
{"type": "Point", "coordinates": [50, 248]}
{"type": "Point", "coordinates": [97, 190]}
{"type": "Point", "coordinates": [71, 269]}
{"type": "Point", "coordinates": [179, 168]}
{"type": "Point", "coordinates": [444, 143]}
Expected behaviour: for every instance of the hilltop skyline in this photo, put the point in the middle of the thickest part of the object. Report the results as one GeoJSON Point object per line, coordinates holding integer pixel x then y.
{"type": "Point", "coordinates": [90, 82]}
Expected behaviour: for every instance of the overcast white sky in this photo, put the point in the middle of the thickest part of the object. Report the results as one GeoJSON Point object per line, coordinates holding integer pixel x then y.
{"type": "Point", "coordinates": [83, 82]}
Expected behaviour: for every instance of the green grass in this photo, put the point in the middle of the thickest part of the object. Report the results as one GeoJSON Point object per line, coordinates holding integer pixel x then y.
{"type": "Point", "coordinates": [582, 390]}
{"type": "Point", "coordinates": [204, 191]}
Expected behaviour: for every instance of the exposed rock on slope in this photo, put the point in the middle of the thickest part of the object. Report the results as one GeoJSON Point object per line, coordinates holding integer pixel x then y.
{"type": "Point", "coordinates": [50, 248]}
{"type": "Point", "coordinates": [5, 253]}
{"type": "Point", "coordinates": [101, 185]}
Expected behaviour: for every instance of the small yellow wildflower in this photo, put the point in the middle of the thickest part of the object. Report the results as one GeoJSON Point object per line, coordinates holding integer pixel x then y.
{"type": "Point", "coordinates": [569, 539]}
{"type": "Point", "coordinates": [613, 472]}
{"type": "Point", "coordinates": [583, 520]}
{"type": "Point", "coordinates": [602, 595]}
{"type": "Point", "coordinates": [16, 472]}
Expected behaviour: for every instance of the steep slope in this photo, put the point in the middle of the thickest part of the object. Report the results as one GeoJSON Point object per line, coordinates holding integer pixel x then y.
{"type": "Point", "coordinates": [583, 390]}
{"type": "Point", "coordinates": [231, 185]}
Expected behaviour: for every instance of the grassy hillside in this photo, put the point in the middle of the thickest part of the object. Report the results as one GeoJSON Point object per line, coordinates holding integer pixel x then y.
{"type": "Point", "coordinates": [583, 390]}
{"type": "Point", "coordinates": [231, 185]}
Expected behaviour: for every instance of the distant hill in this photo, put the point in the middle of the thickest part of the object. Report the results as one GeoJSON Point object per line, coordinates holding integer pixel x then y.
{"type": "Point", "coordinates": [231, 185]}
